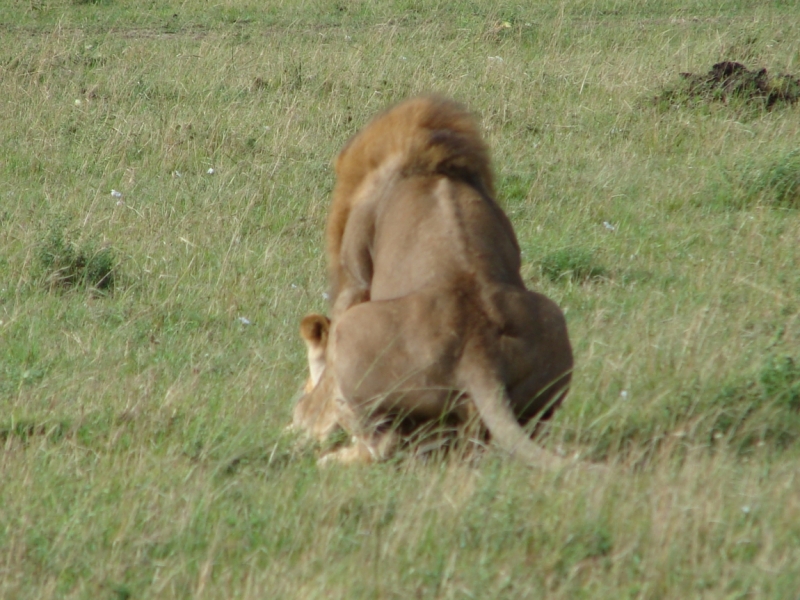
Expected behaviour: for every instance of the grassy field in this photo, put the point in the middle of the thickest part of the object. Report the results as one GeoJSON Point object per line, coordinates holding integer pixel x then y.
{"type": "Point", "coordinates": [148, 338]}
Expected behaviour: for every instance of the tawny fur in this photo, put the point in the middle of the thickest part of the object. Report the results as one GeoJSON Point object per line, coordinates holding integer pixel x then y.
{"type": "Point", "coordinates": [318, 419]}
{"type": "Point", "coordinates": [428, 136]}
{"type": "Point", "coordinates": [428, 302]}
{"type": "Point", "coordinates": [314, 331]}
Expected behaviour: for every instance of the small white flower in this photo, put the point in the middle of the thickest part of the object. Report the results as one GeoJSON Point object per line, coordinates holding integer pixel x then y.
{"type": "Point", "coordinates": [244, 321]}
{"type": "Point", "coordinates": [294, 286]}
{"type": "Point", "coordinates": [347, 38]}
{"type": "Point", "coordinates": [609, 226]}
{"type": "Point", "coordinates": [210, 171]}
{"type": "Point", "coordinates": [116, 194]}
{"type": "Point", "coordinates": [624, 394]}
{"type": "Point", "coordinates": [746, 509]}
{"type": "Point", "coordinates": [403, 58]}
{"type": "Point", "coordinates": [176, 174]}
{"type": "Point", "coordinates": [326, 296]}
{"type": "Point", "coordinates": [78, 102]}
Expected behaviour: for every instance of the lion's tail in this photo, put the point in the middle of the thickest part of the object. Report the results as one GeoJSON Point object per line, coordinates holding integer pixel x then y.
{"type": "Point", "coordinates": [488, 393]}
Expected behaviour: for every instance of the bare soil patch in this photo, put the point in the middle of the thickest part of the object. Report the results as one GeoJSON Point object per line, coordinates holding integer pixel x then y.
{"type": "Point", "coordinates": [730, 81]}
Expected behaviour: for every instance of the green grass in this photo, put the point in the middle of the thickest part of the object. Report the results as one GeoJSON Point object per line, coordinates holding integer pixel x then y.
{"type": "Point", "coordinates": [141, 421]}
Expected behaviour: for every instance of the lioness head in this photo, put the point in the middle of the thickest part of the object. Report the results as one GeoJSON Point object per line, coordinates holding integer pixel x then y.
{"type": "Point", "coordinates": [314, 330]}
{"type": "Point", "coordinates": [315, 412]}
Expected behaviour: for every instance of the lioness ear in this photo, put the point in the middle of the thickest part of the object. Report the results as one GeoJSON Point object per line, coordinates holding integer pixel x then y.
{"type": "Point", "coordinates": [314, 330]}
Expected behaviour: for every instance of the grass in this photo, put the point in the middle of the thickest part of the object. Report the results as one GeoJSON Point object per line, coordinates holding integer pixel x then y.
{"type": "Point", "coordinates": [141, 423]}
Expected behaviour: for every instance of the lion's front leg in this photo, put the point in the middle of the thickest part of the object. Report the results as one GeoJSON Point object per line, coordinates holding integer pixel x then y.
{"type": "Point", "coordinates": [364, 450]}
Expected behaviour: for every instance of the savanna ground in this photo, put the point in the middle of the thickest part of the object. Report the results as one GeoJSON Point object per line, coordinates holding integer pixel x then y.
{"type": "Point", "coordinates": [148, 340]}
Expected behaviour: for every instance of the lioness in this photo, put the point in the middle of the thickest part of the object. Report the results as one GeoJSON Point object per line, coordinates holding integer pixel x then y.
{"type": "Point", "coordinates": [316, 414]}
{"type": "Point", "coordinates": [429, 312]}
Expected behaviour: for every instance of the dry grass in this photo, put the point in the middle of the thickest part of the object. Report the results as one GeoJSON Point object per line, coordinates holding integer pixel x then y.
{"type": "Point", "coordinates": [141, 426]}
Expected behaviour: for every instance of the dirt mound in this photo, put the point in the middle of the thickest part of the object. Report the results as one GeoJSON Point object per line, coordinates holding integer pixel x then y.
{"type": "Point", "coordinates": [729, 81]}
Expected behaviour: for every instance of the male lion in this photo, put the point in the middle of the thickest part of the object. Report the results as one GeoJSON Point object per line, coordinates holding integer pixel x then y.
{"type": "Point", "coordinates": [430, 316]}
